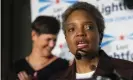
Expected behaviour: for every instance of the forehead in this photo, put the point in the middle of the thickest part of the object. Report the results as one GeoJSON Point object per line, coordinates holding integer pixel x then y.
{"type": "Point", "coordinates": [80, 15]}
{"type": "Point", "coordinates": [48, 35]}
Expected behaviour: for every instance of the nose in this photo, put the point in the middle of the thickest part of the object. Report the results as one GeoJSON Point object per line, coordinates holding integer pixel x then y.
{"type": "Point", "coordinates": [81, 32]}
{"type": "Point", "coordinates": [51, 43]}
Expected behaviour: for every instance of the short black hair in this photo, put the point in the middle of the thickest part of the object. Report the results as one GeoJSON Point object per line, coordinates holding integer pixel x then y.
{"type": "Point", "coordinates": [91, 10]}
{"type": "Point", "coordinates": [46, 25]}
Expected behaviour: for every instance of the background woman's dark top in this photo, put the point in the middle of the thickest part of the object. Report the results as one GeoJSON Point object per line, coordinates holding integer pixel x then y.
{"type": "Point", "coordinates": [44, 73]}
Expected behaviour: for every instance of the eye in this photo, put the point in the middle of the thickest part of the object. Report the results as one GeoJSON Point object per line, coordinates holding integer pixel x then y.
{"type": "Point", "coordinates": [88, 27]}
{"type": "Point", "coordinates": [54, 40]}
{"type": "Point", "coordinates": [47, 39]}
{"type": "Point", "coordinates": [70, 29]}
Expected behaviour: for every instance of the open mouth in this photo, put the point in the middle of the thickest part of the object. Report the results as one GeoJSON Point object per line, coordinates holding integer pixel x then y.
{"type": "Point", "coordinates": [81, 44]}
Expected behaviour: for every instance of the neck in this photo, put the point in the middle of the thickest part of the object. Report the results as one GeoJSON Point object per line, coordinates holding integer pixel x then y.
{"type": "Point", "coordinates": [85, 65]}
{"type": "Point", "coordinates": [37, 61]}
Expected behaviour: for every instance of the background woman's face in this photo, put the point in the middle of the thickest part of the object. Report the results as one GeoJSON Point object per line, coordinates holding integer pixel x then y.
{"type": "Point", "coordinates": [44, 43]}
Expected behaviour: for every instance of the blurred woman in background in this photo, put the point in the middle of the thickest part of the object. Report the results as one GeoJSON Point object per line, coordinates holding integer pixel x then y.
{"type": "Point", "coordinates": [41, 64]}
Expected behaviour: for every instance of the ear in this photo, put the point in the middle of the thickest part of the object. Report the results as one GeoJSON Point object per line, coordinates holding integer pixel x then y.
{"type": "Point", "coordinates": [33, 35]}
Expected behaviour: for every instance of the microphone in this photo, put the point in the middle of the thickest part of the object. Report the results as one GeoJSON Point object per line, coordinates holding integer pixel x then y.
{"type": "Point", "coordinates": [79, 54]}
{"type": "Point", "coordinates": [82, 53]}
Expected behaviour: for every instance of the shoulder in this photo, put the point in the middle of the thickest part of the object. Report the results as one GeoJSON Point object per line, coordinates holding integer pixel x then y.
{"type": "Point", "coordinates": [59, 75]}
{"type": "Point", "coordinates": [123, 67]}
{"type": "Point", "coordinates": [19, 65]}
{"type": "Point", "coordinates": [115, 62]}
{"type": "Point", "coordinates": [20, 61]}
{"type": "Point", "coordinates": [65, 74]}
{"type": "Point", "coordinates": [120, 63]}
{"type": "Point", "coordinates": [60, 60]}
{"type": "Point", "coordinates": [60, 63]}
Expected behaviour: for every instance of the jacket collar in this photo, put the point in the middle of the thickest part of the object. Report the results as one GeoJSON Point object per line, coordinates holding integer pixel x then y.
{"type": "Point", "coordinates": [104, 67]}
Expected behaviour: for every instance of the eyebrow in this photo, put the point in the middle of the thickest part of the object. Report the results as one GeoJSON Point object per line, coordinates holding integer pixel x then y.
{"type": "Point", "coordinates": [68, 24]}
{"type": "Point", "coordinates": [90, 22]}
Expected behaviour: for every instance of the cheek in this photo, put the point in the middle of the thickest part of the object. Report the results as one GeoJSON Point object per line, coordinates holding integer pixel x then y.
{"type": "Point", "coordinates": [42, 43]}
{"type": "Point", "coordinates": [95, 41]}
{"type": "Point", "coordinates": [70, 43]}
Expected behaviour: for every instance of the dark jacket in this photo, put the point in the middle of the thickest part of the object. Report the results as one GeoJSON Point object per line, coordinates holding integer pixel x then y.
{"type": "Point", "coordinates": [108, 67]}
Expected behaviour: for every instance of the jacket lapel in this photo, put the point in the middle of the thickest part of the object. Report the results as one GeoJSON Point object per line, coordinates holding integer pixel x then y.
{"type": "Point", "coordinates": [105, 66]}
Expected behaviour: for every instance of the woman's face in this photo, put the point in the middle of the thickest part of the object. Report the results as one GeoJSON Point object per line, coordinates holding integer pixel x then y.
{"type": "Point", "coordinates": [81, 32]}
{"type": "Point", "coordinates": [44, 43]}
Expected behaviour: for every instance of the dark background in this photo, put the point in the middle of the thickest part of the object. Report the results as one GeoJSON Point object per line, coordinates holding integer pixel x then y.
{"type": "Point", "coordinates": [15, 37]}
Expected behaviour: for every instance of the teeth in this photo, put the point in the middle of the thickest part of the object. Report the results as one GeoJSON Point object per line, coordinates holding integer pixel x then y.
{"type": "Point", "coordinates": [81, 42]}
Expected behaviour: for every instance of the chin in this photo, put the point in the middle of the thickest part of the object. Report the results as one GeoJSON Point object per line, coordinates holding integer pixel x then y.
{"type": "Point", "coordinates": [46, 54]}
{"type": "Point", "coordinates": [86, 49]}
